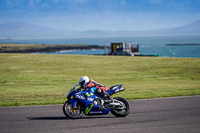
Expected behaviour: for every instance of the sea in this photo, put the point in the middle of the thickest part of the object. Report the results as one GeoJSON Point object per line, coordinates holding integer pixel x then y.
{"type": "Point", "coordinates": [147, 45]}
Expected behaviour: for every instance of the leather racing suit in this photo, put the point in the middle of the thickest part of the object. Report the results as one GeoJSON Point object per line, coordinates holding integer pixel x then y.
{"type": "Point", "coordinates": [100, 89]}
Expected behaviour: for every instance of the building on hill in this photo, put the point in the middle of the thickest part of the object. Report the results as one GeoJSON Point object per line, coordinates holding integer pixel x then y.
{"type": "Point", "coordinates": [122, 48]}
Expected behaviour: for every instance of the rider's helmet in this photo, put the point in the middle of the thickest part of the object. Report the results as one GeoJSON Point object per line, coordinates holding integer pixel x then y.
{"type": "Point", "coordinates": [83, 81]}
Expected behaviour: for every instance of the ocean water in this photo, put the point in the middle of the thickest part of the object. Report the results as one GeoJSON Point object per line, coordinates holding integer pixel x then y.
{"type": "Point", "coordinates": [148, 45]}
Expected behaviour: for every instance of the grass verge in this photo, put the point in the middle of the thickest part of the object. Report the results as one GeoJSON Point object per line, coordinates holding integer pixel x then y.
{"type": "Point", "coordinates": [33, 79]}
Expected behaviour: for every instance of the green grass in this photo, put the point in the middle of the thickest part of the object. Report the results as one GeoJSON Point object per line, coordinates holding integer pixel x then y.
{"type": "Point", "coordinates": [33, 79]}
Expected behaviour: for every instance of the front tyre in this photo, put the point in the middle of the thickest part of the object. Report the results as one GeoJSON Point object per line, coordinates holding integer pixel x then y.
{"type": "Point", "coordinates": [124, 108]}
{"type": "Point", "coordinates": [72, 113]}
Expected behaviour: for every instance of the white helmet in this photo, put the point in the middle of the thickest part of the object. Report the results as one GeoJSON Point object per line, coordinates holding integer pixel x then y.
{"type": "Point", "coordinates": [83, 81]}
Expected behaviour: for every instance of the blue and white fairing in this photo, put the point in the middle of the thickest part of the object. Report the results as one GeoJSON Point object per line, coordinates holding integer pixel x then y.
{"type": "Point", "coordinates": [86, 98]}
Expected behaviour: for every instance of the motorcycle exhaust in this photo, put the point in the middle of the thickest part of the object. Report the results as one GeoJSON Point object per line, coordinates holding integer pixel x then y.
{"type": "Point", "coordinates": [114, 104]}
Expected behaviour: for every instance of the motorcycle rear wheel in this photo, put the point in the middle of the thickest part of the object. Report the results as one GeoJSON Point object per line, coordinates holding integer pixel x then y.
{"type": "Point", "coordinates": [121, 112]}
{"type": "Point", "coordinates": [72, 113]}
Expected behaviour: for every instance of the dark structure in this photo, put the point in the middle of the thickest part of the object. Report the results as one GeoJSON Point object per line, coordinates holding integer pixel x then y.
{"type": "Point", "coordinates": [122, 48]}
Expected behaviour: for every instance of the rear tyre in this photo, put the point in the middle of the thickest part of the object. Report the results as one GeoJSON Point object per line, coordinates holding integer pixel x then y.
{"type": "Point", "coordinates": [72, 113]}
{"type": "Point", "coordinates": [121, 112]}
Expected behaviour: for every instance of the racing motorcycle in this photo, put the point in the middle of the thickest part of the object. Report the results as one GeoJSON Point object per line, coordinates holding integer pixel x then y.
{"type": "Point", "coordinates": [90, 103]}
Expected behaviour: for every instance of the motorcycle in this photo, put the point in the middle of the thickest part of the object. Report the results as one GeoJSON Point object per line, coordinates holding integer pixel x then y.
{"type": "Point", "coordinates": [90, 103]}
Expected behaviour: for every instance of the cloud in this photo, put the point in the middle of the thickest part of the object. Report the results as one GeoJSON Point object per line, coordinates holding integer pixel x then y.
{"type": "Point", "coordinates": [156, 2]}
{"type": "Point", "coordinates": [123, 2]}
{"type": "Point", "coordinates": [101, 14]}
{"type": "Point", "coordinates": [8, 2]}
{"type": "Point", "coordinates": [77, 1]}
{"type": "Point", "coordinates": [56, 1]}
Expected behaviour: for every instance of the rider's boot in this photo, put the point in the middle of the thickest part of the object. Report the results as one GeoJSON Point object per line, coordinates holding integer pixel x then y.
{"type": "Point", "coordinates": [107, 100]}
{"type": "Point", "coordinates": [107, 97]}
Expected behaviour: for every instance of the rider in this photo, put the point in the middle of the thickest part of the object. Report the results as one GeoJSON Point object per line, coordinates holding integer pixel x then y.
{"type": "Point", "coordinates": [100, 89]}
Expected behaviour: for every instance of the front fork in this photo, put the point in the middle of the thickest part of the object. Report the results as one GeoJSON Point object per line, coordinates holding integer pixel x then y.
{"type": "Point", "coordinates": [73, 102]}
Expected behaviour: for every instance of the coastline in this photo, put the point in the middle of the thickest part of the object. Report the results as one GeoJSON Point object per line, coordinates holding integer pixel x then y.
{"type": "Point", "coordinates": [186, 44]}
{"type": "Point", "coordinates": [34, 48]}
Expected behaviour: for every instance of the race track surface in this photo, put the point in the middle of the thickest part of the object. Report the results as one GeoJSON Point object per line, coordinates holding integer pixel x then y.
{"type": "Point", "coordinates": [163, 115]}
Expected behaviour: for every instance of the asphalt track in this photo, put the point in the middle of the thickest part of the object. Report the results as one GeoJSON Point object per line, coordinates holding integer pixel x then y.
{"type": "Point", "coordinates": [162, 115]}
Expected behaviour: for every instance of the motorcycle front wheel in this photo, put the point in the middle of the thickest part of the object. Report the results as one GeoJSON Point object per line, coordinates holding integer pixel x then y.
{"type": "Point", "coordinates": [121, 112]}
{"type": "Point", "coordinates": [72, 113]}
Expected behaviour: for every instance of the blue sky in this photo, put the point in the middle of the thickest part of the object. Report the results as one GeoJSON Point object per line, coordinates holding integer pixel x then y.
{"type": "Point", "coordinates": [81, 15]}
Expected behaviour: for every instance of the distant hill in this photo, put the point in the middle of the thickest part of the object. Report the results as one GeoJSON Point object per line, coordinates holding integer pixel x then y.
{"type": "Point", "coordinates": [190, 29]}
{"type": "Point", "coordinates": [26, 30]}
